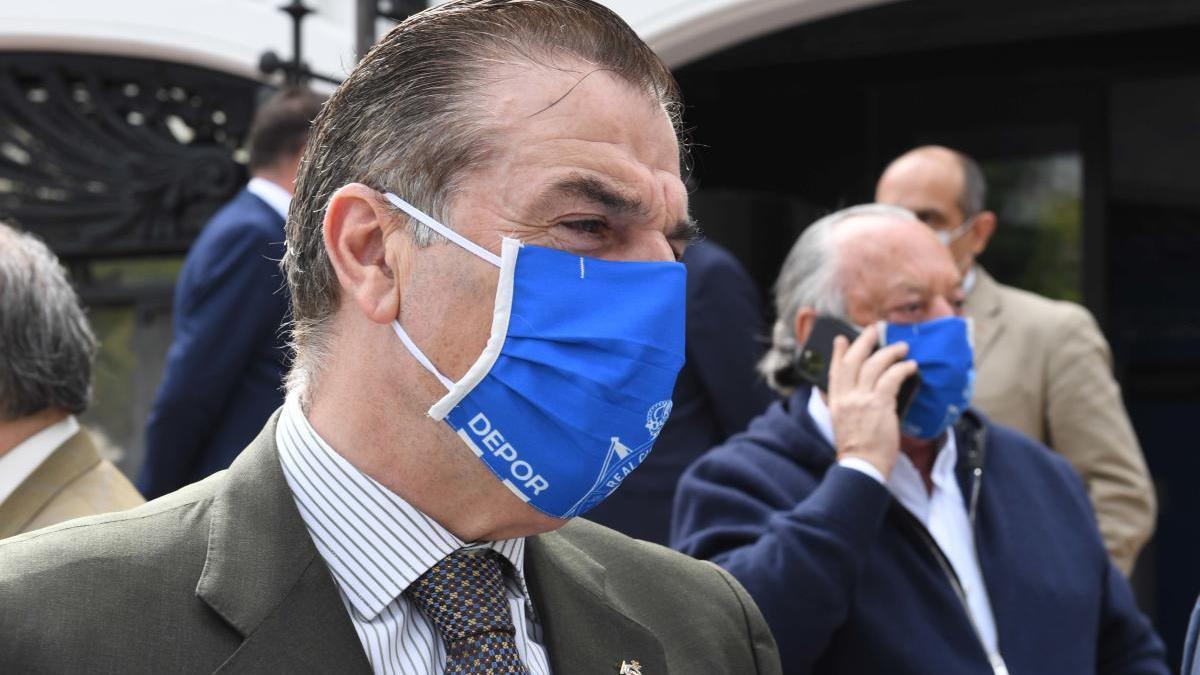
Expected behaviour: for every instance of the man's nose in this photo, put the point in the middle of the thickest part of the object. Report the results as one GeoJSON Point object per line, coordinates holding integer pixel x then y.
{"type": "Point", "coordinates": [941, 308]}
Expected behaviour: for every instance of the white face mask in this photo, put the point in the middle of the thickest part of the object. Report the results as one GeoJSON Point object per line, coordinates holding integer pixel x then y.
{"type": "Point", "coordinates": [948, 237]}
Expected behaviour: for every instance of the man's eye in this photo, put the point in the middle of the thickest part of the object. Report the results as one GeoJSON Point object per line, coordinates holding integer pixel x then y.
{"type": "Point", "coordinates": [591, 227]}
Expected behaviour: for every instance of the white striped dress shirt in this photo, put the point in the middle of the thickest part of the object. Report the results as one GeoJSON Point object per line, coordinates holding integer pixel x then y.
{"type": "Point", "coordinates": [376, 545]}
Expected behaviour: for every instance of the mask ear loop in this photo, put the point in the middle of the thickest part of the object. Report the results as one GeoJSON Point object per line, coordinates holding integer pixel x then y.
{"type": "Point", "coordinates": [420, 355]}
{"type": "Point", "coordinates": [463, 242]}
{"type": "Point", "coordinates": [441, 229]}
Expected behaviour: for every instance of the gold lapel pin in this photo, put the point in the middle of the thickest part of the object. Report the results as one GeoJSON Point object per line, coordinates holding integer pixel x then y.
{"type": "Point", "coordinates": [630, 668]}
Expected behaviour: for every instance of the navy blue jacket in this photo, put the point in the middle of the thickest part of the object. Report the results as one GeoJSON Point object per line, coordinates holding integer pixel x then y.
{"type": "Point", "coordinates": [717, 394]}
{"type": "Point", "coordinates": [224, 370]}
{"type": "Point", "coordinates": [850, 582]}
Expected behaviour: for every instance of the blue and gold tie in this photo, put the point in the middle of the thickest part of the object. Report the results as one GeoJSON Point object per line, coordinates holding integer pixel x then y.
{"type": "Point", "coordinates": [464, 597]}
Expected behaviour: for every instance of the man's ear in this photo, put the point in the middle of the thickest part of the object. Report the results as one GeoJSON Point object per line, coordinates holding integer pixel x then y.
{"type": "Point", "coordinates": [357, 221]}
{"type": "Point", "coordinates": [805, 318]}
{"type": "Point", "coordinates": [981, 232]}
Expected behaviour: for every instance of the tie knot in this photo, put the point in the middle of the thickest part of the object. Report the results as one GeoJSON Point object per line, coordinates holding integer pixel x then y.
{"type": "Point", "coordinates": [463, 594]}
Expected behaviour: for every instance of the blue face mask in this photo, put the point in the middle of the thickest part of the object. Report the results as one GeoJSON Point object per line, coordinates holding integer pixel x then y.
{"type": "Point", "coordinates": [942, 350]}
{"type": "Point", "coordinates": [575, 382]}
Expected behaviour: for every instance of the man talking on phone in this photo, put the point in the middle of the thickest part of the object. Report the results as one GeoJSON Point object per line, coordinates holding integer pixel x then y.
{"type": "Point", "coordinates": [902, 537]}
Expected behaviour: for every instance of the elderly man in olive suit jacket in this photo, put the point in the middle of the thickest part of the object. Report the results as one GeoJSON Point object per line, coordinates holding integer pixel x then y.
{"type": "Point", "coordinates": [1042, 366]}
{"type": "Point", "coordinates": [50, 470]}
{"type": "Point", "coordinates": [360, 533]}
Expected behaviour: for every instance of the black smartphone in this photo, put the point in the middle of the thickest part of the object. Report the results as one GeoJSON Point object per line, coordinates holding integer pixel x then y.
{"type": "Point", "coordinates": [814, 357]}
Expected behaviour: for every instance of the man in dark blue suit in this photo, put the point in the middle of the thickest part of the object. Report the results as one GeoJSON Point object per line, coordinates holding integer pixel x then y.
{"type": "Point", "coordinates": [224, 370]}
{"type": "Point", "coordinates": [718, 391]}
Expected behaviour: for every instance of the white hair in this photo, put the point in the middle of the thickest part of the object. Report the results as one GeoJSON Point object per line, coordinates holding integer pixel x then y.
{"type": "Point", "coordinates": [811, 277]}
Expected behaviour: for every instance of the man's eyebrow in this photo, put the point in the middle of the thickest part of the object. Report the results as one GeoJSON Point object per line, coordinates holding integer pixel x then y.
{"type": "Point", "coordinates": [687, 231]}
{"type": "Point", "coordinates": [597, 191]}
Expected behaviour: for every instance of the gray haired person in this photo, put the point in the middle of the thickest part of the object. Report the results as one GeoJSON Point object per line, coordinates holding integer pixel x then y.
{"type": "Point", "coordinates": [367, 529]}
{"type": "Point", "coordinates": [50, 470]}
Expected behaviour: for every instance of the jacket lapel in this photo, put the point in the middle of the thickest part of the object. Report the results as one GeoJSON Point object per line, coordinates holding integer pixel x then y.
{"type": "Point", "coordinates": [264, 577]}
{"type": "Point", "coordinates": [984, 305]}
{"type": "Point", "coordinates": [583, 631]}
{"type": "Point", "coordinates": [69, 461]}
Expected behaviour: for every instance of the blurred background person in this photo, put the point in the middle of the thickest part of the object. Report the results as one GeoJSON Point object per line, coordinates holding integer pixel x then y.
{"type": "Point", "coordinates": [718, 391]}
{"type": "Point", "coordinates": [224, 371]}
{"type": "Point", "coordinates": [50, 470]}
{"type": "Point", "coordinates": [1043, 366]}
{"type": "Point", "coordinates": [935, 543]}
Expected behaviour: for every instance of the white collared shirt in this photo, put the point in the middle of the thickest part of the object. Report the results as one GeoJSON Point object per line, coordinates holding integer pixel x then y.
{"type": "Point", "coordinates": [376, 544]}
{"type": "Point", "coordinates": [276, 197]}
{"type": "Point", "coordinates": [942, 512]}
{"type": "Point", "coordinates": [19, 463]}
{"type": "Point", "coordinates": [969, 280]}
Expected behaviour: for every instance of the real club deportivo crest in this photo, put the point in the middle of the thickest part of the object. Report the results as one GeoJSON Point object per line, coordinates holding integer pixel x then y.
{"type": "Point", "coordinates": [657, 416]}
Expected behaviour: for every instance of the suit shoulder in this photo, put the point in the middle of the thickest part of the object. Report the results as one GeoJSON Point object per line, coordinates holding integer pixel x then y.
{"type": "Point", "coordinates": [641, 571]}
{"type": "Point", "coordinates": [617, 551]}
{"type": "Point", "coordinates": [83, 552]}
{"type": "Point", "coordinates": [245, 216]}
{"type": "Point", "coordinates": [100, 489]}
{"type": "Point", "coordinates": [686, 602]}
{"type": "Point", "coordinates": [1015, 447]}
{"type": "Point", "coordinates": [1034, 308]}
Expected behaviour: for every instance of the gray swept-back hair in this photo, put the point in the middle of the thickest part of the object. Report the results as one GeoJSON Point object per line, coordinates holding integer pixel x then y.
{"type": "Point", "coordinates": [412, 118]}
{"type": "Point", "coordinates": [811, 277]}
{"type": "Point", "coordinates": [46, 344]}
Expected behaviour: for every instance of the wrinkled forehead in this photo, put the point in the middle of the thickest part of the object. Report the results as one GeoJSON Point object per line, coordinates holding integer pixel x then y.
{"type": "Point", "coordinates": [568, 99]}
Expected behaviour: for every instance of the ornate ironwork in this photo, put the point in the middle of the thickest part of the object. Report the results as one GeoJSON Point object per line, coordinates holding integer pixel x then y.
{"type": "Point", "coordinates": [295, 71]}
{"type": "Point", "coordinates": [369, 10]}
{"type": "Point", "coordinates": [117, 156]}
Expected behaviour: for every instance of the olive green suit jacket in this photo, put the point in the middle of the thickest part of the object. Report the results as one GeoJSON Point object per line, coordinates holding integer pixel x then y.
{"type": "Point", "coordinates": [222, 576]}
{"type": "Point", "coordinates": [1044, 368]}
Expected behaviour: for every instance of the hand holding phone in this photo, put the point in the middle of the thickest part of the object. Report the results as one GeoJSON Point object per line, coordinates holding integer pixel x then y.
{"type": "Point", "coordinates": [816, 355]}
{"type": "Point", "coordinates": [864, 387]}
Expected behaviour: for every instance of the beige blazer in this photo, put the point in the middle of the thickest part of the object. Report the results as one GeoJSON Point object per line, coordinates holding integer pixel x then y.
{"type": "Point", "coordinates": [222, 576]}
{"type": "Point", "coordinates": [73, 482]}
{"type": "Point", "coordinates": [1043, 367]}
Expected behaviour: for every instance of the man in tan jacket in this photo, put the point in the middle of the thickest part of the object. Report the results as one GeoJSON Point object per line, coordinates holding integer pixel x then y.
{"type": "Point", "coordinates": [1042, 365]}
{"type": "Point", "coordinates": [50, 470]}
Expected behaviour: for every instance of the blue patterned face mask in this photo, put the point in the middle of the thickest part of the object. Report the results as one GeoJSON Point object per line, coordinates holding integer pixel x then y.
{"type": "Point", "coordinates": [942, 350]}
{"type": "Point", "coordinates": [575, 382]}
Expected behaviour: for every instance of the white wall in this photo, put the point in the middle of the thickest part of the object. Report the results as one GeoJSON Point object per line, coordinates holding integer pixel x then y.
{"type": "Point", "coordinates": [227, 35]}
{"type": "Point", "coordinates": [230, 35]}
{"type": "Point", "coordinates": [685, 30]}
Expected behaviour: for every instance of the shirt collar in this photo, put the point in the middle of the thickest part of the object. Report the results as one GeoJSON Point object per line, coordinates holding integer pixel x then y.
{"type": "Point", "coordinates": [375, 543]}
{"type": "Point", "coordinates": [943, 464]}
{"type": "Point", "coordinates": [819, 412]}
{"type": "Point", "coordinates": [276, 197]}
{"type": "Point", "coordinates": [20, 462]}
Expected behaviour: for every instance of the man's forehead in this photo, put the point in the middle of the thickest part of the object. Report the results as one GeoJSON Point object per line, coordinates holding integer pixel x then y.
{"type": "Point", "coordinates": [579, 103]}
{"type": "Point", "coordinates": [927, 174]}
{"type": "Point", "coordinates": [888, 248]}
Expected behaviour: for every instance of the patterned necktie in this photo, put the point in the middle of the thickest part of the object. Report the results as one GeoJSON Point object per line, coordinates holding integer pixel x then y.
{"type": "Point", "coordinates": [464, 597]}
